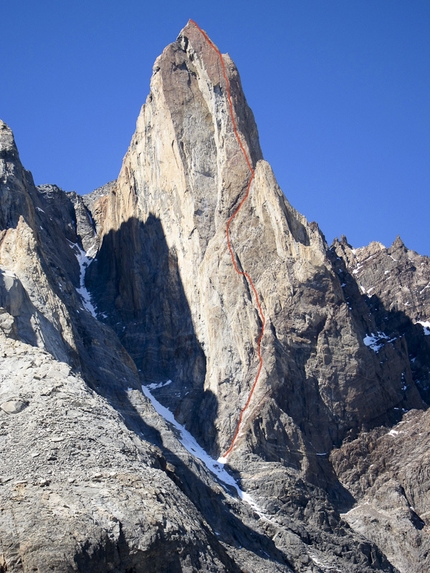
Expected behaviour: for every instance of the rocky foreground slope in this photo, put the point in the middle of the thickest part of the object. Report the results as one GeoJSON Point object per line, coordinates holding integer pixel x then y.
{"type": "Point", "coordinates": [134, 286]}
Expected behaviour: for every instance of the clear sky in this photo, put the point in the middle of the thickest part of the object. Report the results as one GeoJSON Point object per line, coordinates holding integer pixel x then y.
{"type": "Point", "coordinates": [340, 90]}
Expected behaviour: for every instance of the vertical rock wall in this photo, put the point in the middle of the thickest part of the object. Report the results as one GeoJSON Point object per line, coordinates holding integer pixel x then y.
{"type": "Point", "coordinates": [181, 180]}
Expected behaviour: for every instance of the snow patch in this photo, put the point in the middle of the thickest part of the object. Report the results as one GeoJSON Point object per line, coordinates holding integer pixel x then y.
{"type": "Point", "coordinates": [156, 386]}
{"type": "Point", "coordinates": [84, 260]}
{"type": "Point", "coordinates": [216, 467]}
{"type": "Point", "coordinates": [375, 341]}
{"type": "Point", "coordinates": [39, 209]}
{"type": "Point", "coordinates": [426, 326]}
{"type": "Point", "coordinates": [366, 291]}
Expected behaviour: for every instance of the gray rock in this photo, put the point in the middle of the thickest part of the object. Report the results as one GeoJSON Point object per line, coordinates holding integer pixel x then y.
{"type": "Point", "coordinates": [395, 283]}
{"type": "Point", "coordinates": [388, 474]}
{"type": "Point", "coordinates": [13, 406]}
{"type": "Point", "coordinates": [7, 323]}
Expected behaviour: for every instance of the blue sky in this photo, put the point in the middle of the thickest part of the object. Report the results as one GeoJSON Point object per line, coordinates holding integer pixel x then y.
{"type": "Point", "coordinates": [340, 90]}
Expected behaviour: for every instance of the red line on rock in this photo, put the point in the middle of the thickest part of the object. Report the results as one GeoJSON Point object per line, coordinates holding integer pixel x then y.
{"type": "Point", "coordinates": [230, 248]}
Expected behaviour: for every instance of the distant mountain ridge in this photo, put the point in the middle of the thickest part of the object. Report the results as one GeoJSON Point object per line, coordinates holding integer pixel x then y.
{"type": "Point", "coordinates": [134, 285]}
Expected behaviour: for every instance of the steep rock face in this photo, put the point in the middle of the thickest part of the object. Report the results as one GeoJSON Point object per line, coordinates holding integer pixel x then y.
{"type": "Point", "coordinates": [386, 471]}
{"type": "Point", "coordinates": [396, 284]}
{"type": "Point", "coordinates": [398, 276]}
{"type": "Point", "coordinates": [15, 182]}
{"type": "Point", "coordinates": [182, 178]}
{"type": "Point", "coordinates": [20, 256]}
{"type": "Point", "coordinates": [42, 261]}
{"type": "Point", "coordinates": [388, 474]}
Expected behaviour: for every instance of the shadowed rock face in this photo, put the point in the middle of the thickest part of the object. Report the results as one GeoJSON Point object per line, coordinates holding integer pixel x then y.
{"type": "Point", "coordinates": [396, 280]}
{"type": "Point", "coordinates": [156, 300]}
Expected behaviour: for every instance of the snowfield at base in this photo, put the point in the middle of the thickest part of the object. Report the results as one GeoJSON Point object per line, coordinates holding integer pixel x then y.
{"type": "Point", "coordinates": [84, 260]}
{"type": "Point", "coordinates": [187, 440]}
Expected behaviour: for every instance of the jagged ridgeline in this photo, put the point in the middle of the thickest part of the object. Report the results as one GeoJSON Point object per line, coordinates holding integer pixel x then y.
{"type": "Point", "coordinates": [129, 347]}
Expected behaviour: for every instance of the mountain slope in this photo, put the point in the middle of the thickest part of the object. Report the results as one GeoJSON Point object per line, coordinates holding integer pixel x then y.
{"type": "Point", "coordinates": [134, 284]}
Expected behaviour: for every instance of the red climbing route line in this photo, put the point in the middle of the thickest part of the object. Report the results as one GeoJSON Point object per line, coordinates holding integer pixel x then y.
{"type": "Point", "coordinates": [230, 248]}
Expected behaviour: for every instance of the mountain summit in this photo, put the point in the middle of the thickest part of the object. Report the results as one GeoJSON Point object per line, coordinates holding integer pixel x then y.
{"type": "Point", "coordinates": [187, 312]}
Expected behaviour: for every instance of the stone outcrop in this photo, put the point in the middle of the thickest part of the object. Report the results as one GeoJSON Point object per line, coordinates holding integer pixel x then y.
{"type": "Point", "coordinates": [134, 284]}
{"type": "Point", "coordinates": [395, 282]}
{"type": "Point", "coordinates": [388, 474]}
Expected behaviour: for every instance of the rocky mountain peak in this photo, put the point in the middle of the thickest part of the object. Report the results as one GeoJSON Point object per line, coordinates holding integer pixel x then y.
{"type": "Point", "coordinates": [7, 142]}
{"type": "Point", "coordinates": [186, 308]}
{"type": "Point", "coordinates": [16, 203]}
{"type": "Point", "coordinates": [398, 242]}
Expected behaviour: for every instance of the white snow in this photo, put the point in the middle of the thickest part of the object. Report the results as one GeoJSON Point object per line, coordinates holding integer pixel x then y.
{"type": "Point", "coordinates": [156, 386]}
{"type": "Point", "coordinates": [365, 290]}
{"type": "Point", "coordinates": [187, 440]}
{"type": "Point", "coordinates": [426, 326]}
{"type": "Point", "coordinates": [375, 341]}
{"type": "Point", "coordinates": [39, 209]}
{"type": "Point", "coordinates": [84, 260]}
